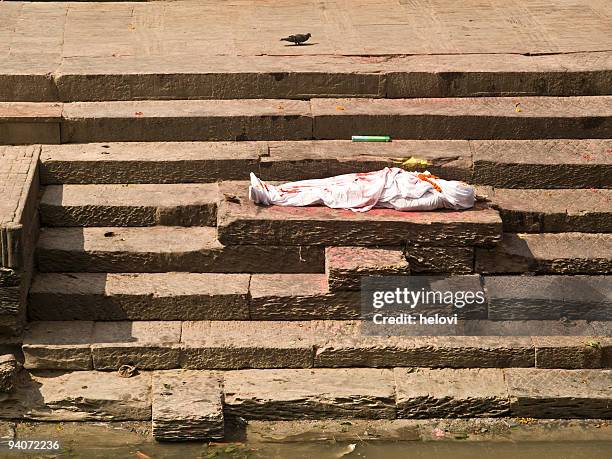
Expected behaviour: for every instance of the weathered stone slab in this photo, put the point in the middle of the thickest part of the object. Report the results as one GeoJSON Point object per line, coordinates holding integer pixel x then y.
{"type": "Point", "coordinates": [344, 344]}
{"type": "Point", "coordinates": [460, 118]}
{"type": "Point", "coordinates": [310, 394]}
{"type": "Point", "coordinates": [469, 75]}
{"type": "Point", "coordinates": [28, 123]}
{"type": "Point", "coordinates": [345, 266]}
{"type": "Point", "coordinates": [187, 406]}
{"type": "Point", "coordinates": [560, 393]}
{"type": "Point", "coordinates": [130, 205]}
{"type": "Point", "coordinates": [431, 260]}
{"type": "Point", "coordinates": [30, 112]}
{"type": "Point", "coordinates": [139, 296]}
{"type": "Point", "coordinates": [300, 297]}
{"type": "Point", "coordinates": [150, 162]}
{"type": "Point", "coordinates": [163, 249]}
{"type": "Point", "coordinates": [27, 78]}
{"type": "Point", "coordinates": [552, 211]}
{"type": "Point", "coordinates": [571, 352]}
{"type": "Point", "coordinates": [449, 159]}
{"type": "Point", "coordinates": [8, 371]}
{"type": "Point", "coordinates": [245, 344]}
{"type": "Point", "coordinates": [561, 253]}
{"type": "Point", "coordinates": [26, 133]}
{"type": "Point", "coordinates": [442, 393]}
{"type": "Point", "coordinates": [58, 345]}
{"type": "Point", "coordinates": [547, 163]}
{"type": "Point", "coordinates": [144, 345]}
{"type": "Point", "coordinates": [299, 76]}
{"type": "Point", "coordinates": [79, 396]}
{"type": "Point", "coordinates": [243, 222]}
{"type": "Point", "coordinates": [216, 77]}
{"type": "Point", "coordinates": [549, 297]}
{"type": "Point", "coordinates": [527, 328]}
{"type": "Point", "coordinates": [178, 120]}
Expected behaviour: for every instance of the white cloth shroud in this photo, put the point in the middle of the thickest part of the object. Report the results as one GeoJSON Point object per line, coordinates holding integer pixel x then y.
{"type": "Point", "coordinates": [390, 187]}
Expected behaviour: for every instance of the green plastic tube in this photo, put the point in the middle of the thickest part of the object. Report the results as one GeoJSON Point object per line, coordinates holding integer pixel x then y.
{"type": "Point", "coordinates": [371, 138]}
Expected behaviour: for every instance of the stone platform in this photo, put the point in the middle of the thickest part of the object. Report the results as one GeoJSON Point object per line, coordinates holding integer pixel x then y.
{"type": "Point", "coordinates": [369, 48]}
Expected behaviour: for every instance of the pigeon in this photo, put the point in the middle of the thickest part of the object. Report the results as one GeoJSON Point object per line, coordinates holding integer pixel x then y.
{"type": "Point", "coordinates": [297, 39]}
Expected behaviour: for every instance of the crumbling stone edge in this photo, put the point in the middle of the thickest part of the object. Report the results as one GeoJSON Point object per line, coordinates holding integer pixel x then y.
{"type": "Point", "coordinates": [17, 242]}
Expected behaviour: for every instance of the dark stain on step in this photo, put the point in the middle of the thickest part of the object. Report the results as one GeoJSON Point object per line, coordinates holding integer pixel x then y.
{"type": "Point", "coordinates": [592, 122]}
{"type": "Point", "coordinates": [278, 76]}
{"type": "Point", "coordinates": [242, 137]}
{"type": "Point", "coordinates": [450, 76]}
{"type": "Point", "coordinates": [284, 117]}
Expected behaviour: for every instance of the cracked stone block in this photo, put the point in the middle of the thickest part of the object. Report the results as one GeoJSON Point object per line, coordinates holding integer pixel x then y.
{"type": "Point", "coordinates": [548, 393]}
{"type": "Point", "coordinates": [64, 345]}
{"type": "Point", "coordinates": [145, 345]}
{"type": "Point", "coordinates": [310, 394]}
{"type": "Point", "coordinates": [187, 406]}
{"type": "Point", "coordinates": [450, 393]}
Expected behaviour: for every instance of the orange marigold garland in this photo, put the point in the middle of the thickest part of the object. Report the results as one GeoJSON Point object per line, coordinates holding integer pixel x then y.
{"type": "Point", "coordinates": [429, 179]}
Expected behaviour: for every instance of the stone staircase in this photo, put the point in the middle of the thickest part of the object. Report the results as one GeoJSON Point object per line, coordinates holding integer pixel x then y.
{"type": "Point", "coordinates": [152, 255]}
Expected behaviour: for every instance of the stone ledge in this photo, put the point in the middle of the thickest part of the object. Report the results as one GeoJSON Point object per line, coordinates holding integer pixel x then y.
{"type": "Point", "coordinates": [129, 205]}
{"type": "Point", "coordinates": [96, 78]}
{"type": "Point", "coordinates": [243, 222]}
{"type": "Point", "coordinates": [310, 394]}
{"type": "Point", "coordinates": [528, 164]}
{"type": "Point", "coordinates": [298, 394]}
{"type": "Point", "coordinates": [234, 345]}
{"type": "Point", "coordinates": [548, 253]}
{"type": "Point", "coordinates": [553, 211]}
{"type": "Point", "coordinates": [165, 249]}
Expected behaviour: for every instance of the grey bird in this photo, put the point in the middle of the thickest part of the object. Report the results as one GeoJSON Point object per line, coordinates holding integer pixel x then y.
{"type": "Point", "coordinates": [297, 39]}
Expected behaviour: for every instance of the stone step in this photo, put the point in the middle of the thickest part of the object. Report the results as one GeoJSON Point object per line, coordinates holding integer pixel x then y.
{"type": "Point", "coordinates": [139, 296]}
{"type": "Point", "coordinates": [548, 253]}
{"type": "Point", "coordinates": [282, 119]}
{"type": "Point", "coordinates": [164, 248]}
{"type": "Point", "coordinates": [551, 163]}
{"type": "Point", "coordinates": [217, 296]}
{"type": "Point", "coordinates": [130, 205]}
{"type": "Point", "coordinates": [196, 205]}
{"type": "Point", "coordinates": [240, 221]}
{"type": "Point", "coordinates": [465, 118]}
{"type": "Point", "coordinates": [549, 297]}
{"type": "Point", "coordinates": [254, 119]}
{"type": "Point", "coordinates": [83, 78]}
{"type": "Point", "coordinates": [201, 162]}
{"type": "Point", "coordinates": [149, 162]}
{"type": "Point", "coordinates": [345, 266]}
{"type": "Point", "coordinates": [233, 345]}
{"type": "Point", "coordinates": [300, 297]}
{"type": "Point", "coordinates": [552, 211]}
{"type": "Point", "coordinates": [23, 123]}
{"type": "Point", "coordinates": [188, 405]}
{"type": "Point", "coordinates": [500, 163]}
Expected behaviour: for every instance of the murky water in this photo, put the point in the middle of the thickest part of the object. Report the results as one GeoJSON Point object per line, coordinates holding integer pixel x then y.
{"type": "Point", "coordinates": [378, 450]}
{"type": "Point", "coordinates": [538, 440]}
